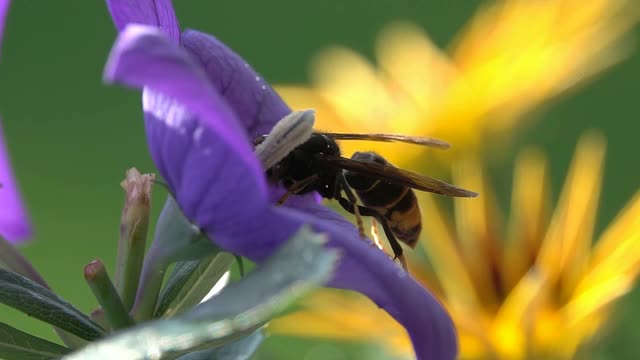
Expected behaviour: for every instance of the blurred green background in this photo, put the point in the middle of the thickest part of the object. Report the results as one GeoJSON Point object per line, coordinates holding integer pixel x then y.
{"type": "Point", "coordinates": [71, 138]}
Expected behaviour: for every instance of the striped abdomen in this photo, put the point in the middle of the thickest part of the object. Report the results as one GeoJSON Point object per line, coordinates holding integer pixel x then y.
{"type": "Point", "coordinates": [396, 203]}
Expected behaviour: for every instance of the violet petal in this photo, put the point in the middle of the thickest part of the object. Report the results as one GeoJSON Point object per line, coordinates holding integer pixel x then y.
{"type": "Point", "coordinates": [367, 270]}
{"type": "Point", "coordinates": [362, 268]}
{"type": "Point", "coordinates": [4, 9]}
{"type": "Point", "coordinates": [158, 13]}
{"type": "Point", "coordinates": [14, 223]}
{"type": "Point", "coordinates": [255, 102]}
{"type": "Point", "coordinates": [204, 144]}
{"type": "Point", "coordinates": [243, 223]}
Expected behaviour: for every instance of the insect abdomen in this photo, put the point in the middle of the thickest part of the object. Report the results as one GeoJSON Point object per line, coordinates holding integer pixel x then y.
{"type": "Point", "coordinates": [396, 203]}
{"type": "Point", "coordinates": [401, 212]}
{"type": "Point", "coordinates": [404, 219]}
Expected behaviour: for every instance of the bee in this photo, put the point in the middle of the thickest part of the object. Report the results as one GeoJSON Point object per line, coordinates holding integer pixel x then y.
{"type": "Point", "coordinates": [314, 163]}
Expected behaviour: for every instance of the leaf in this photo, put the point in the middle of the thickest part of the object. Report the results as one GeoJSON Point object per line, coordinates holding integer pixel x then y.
{"type": "Point", "coordinates": [241, 349]}
{"type": "Point", "coordinates": [190, 281]}
{"type": "Point", "coordinates": [15, 344]}
{"type": "Point", "coordinates": [242, 307]}
{"type": "Point", "coordinates": [32, 299]}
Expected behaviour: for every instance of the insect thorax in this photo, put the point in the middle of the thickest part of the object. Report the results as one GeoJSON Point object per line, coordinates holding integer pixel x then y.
{"type": "Point", "coordinates": [301, 164]}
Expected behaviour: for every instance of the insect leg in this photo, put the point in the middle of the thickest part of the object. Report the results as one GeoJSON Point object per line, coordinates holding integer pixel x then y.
{"type": "Point", "coordinates": [352, 198]}
{"type": "Point", "coordinates": [395, 245]}
{"type": "Point", "coordinates": [297, 186]}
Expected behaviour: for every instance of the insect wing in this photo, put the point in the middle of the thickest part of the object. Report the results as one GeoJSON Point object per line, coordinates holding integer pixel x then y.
{"type": "Point", "coordinates": [416, 140]}
{"type": "Point", "coordinates": [397, 175]}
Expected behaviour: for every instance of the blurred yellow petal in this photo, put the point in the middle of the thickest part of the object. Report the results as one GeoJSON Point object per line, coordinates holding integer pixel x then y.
{"type": "Point", "coordinates": [516, 54]}
{"type": "Point", "coordinates": [448, 264]}
{"type": "Point", "coordinates": [327, 118]}
{"type": "Point", "coordinates": [512, 322]}
{"type": "Point", "coordinates": [530, 201]}
{"type": "Point", "coordinates": [565, 252]}
{"type": "Point", "coordinates": [473, 348]}
{"type": "Point", "coordinates": [595, 298]}
{"type": "Point", "coordinates": [352, 86]}
{"type": "Point", "coordinates": [614, 266]}
{"type": "Point", "coordinates": [513, 56]}
{"type": "Point", "coordinates": [621, 236]}
{"type": "Point", "coordinates": [553, 339]}
{"type": "Point", "coordinates": [334, 314]}
{"type": "Point", "coordinates": [415, 65]}
{"type": "Point", "coordinates": [425, 275]}
{"type": "Point", "coordinates": [479, 224]}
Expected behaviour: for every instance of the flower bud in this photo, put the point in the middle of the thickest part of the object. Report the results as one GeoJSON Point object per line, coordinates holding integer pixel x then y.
{"type": "Point", "coordinates": [134, 226]}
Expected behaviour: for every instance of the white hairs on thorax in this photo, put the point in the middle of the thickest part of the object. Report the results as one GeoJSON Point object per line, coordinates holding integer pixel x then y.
{"type": "Point", "coordinates": [291, 131]}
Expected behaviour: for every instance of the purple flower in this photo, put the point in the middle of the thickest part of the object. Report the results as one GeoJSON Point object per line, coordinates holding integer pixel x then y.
{"type": "Point", "coordinates": [203, 105]}
{"type": "Point", "coordinates": [14, 223]}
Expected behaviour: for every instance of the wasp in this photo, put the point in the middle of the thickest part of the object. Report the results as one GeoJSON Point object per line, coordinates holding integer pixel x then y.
{"type": "Point", "coordinates": [313, 162]}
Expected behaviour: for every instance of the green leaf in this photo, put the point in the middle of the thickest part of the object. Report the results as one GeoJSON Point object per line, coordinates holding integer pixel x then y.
{"type": "Point", "coordinates": [241, 349]}
{"type": "Point", "coordinates": [32, 299]}
{"type": "Point", "coordinates": [15, 344]}
{"type": "Point", "coordinates": [242, 307]}
{"type": "Point", "coordinates": [190, 282]}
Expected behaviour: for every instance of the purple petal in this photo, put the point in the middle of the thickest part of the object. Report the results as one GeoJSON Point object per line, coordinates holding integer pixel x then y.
{"type": "Point", "coordinates": [4, 8]}
{"type": "Point", "coordinates": [202, 152]}
{"type": "Point", "coordinates": [14, 223]}
{"type": "Point", "coordinates": [254, 101]}
{"type": "Point", "coordinates": [216, 178]}
{"type": "Point", "coordinates": [158, 13]}
{"type": "Point", "coordinates": [256, 104]}
{"type": "Point", "coordinates": [363, 268]}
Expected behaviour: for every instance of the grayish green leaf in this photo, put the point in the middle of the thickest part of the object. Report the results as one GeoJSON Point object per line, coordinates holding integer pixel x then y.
{"type": "Point", "coordinates": [32, 299]}
{"type": "Point", "coordinates": [297, 267]}
{"type": "Point", "coordinates": [241, 349]}
{"type": "Point", "coordinates": [15, 344]}
{"type": "Point", "coordinates": [190, 281]}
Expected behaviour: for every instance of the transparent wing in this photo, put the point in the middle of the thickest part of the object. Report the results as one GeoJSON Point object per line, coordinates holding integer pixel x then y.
{"type": "Point", "coordinates": [417, 140]}
{"type": "Point", "coordinates": [396, 175]}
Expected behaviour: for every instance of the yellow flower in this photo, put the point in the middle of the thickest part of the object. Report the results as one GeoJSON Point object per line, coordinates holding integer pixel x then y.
{"type": "Point", "coordinates": [510, 58]}
{"type": "Point", "coordinates": [535, 288]}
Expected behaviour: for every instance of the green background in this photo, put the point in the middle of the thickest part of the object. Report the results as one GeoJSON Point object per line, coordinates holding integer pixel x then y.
{"type": "Point", "coordinates": [71, 138]}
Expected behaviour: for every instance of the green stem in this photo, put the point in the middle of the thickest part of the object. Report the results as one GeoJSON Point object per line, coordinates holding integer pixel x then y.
{"type": "Point", "coordinates": [150, 286]}
{"type": "Point", "coordinates": [130, 259]}
{"type": "Point", "coordinates": [96, 276]}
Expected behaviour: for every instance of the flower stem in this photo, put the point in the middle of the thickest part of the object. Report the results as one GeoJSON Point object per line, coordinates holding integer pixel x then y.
{"type": "Point", "coordinates": [149, 287]}
{"type": "Point", "coordinates": [134, 226]}
{"type": "Point", "coordinates": [175, 239]}
{"type": "Point", "coordinates": [131, 264]}
{"type": "Point", "coordinates": [96, 276]}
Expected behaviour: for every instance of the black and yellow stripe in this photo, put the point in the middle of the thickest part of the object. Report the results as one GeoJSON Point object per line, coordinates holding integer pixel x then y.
{"type": "Point", "coordinates": [395, 202]}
